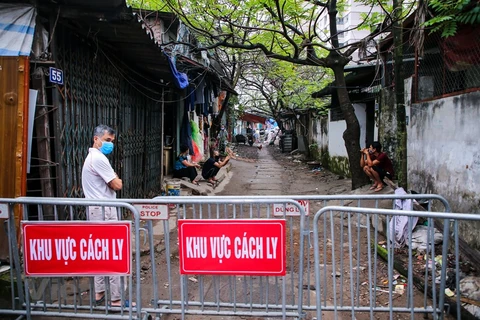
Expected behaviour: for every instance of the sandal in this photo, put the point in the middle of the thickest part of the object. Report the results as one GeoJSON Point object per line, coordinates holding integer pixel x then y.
{"type": "Point", "coordinates": [100, 301]}
{"type": "Point", "coordinates": [126, 305]}
{"type": "Point", "coordinates": [373, 187]}
{"type": "Point", "coordinates": [196, 183]}
{"type": "Point", "coordinates": [379, 188]}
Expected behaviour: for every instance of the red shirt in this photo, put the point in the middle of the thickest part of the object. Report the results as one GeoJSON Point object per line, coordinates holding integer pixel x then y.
{"type": "Point", "coordinates": [385, 163]}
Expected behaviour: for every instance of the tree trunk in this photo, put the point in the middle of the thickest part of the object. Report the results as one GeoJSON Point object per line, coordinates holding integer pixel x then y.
{"type": "Point", "coordinates": [401, 153]}
{"type": "Point", "coordinates": [351, 135]}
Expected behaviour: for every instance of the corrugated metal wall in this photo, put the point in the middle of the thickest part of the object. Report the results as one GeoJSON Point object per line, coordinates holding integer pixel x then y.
{"type": "Point", "coordinates": [97, 92]}
{"type": "Point", "coordinates": [13, 132]}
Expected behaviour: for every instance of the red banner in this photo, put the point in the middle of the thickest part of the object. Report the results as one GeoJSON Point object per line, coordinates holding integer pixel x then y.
{"type": "Point", "coordinates": [77, 248]}
{"type": "Point", "coordinates": [232, 247]}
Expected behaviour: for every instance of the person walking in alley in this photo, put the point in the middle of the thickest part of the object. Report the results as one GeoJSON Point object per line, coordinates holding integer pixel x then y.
{"type": "Point", "coordinates": [376, 165]}
{"type": "Point", "coordinates": [185, 168]}
{"type": "Point", "coordinates": [222, 139]}
{"type": "Point", "coordinates": [99, 181]}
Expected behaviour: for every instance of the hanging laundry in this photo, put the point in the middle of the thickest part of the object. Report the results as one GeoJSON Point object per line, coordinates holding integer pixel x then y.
{"type": "Point", "coordinates": [179, 78]}
{"type": "Point", "coordinates": [398, 225]}
{"type": "Point", "coordinates": [199, 95]}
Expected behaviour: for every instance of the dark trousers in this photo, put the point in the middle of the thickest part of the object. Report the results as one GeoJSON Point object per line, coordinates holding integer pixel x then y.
{"type": "Point", "coordinates": [211, 173]}
{"type": "Point", "coordinates": [189, 172]}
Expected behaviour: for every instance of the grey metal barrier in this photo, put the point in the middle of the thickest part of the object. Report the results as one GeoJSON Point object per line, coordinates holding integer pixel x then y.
{"type": "Point", "coordinates": [73, 296]}
{"type": "Point", "coordinates": [219, 295]}
{"type": "Point", "coordinates": [239, 206]}
{"type": "Point", "coordinates": [166, 291]}
{"type": "Point", "coordinates": [351, 282]}
{"type": "Point", "coordinates": [316, 202]}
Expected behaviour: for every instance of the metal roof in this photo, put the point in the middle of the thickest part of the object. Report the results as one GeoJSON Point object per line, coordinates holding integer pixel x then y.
{"type": "Point", "coordinates": [117, 27]}
{"type": "Point", "coordinates": [356, 79]}
{"type": "Point", "coordinates": [250, 117]}
{"type": "Point", "coordinates": [121, 29]}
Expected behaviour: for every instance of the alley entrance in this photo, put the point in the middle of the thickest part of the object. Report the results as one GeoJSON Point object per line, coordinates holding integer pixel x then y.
{"type": "Point", "coordinates": [348, 275]}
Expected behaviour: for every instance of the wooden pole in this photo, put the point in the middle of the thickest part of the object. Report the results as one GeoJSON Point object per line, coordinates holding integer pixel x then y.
{"type": "Point", "coordinates": [162, 123]}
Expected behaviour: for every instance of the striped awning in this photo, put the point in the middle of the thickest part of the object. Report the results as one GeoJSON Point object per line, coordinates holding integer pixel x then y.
{"type": "Point", "coordinates": [17, 27]}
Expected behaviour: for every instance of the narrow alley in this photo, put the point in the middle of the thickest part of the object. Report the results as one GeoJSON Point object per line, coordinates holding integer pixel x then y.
{"type": "Point", "coordinates": [276, 173]}
{"type": "Point", "coordinates": [346, 272]}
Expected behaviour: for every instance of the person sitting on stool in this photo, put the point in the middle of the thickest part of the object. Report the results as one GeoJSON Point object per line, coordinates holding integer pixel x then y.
{"type": "Point", "coordinates": [185, 168]}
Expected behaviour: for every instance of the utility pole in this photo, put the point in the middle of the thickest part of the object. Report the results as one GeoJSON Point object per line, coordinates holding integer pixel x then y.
{"type": "Point", "coordinates": [401, 154]}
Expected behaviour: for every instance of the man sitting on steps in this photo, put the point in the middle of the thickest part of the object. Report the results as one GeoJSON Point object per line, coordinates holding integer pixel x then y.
{"type": "Point", "coordinates": [213, 165]}
{"type": "Point", "coordinates": [376, 165]}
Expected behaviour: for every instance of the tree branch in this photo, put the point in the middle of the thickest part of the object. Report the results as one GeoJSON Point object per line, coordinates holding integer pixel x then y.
{"type": "Point", "coordinates": [318, 3]}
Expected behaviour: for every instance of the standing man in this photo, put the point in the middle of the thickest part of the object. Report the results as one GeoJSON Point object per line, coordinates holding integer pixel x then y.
{"type": "Point", "coordinates": [376, 165]}
{"type": "Point", "coordinates": [99, 181]}
{"type": "Point", "coordinates": [222, 139]}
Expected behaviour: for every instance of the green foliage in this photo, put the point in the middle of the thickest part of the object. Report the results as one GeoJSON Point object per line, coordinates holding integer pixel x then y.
{"type": "Point", "coordinates": [450, 13]}
{"type": "Point", "coordinates": [274, 86]}
{"type": "Point", "coordinates": [147, 4]}
{"type": "Point", "coordinates": [371, 21]}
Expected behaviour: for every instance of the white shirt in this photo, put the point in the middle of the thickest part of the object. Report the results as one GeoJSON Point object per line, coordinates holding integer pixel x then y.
{"type": "Point", "coordinates": [96, 173]}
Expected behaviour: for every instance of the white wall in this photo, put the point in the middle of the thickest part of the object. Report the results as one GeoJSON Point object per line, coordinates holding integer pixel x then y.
{"type": "Point", "coordinates": [320, 133]}
{"type": "Point", "coordinates": [336, 144]}
{"type": "Point", "coordinates": [444, 149]}
{"type": "Point", "coordinates": [444, 154]}
{"type": "Point", "coordinates": [352, 18]}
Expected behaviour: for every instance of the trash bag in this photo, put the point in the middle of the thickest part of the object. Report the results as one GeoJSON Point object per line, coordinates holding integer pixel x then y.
{"type": "Point", "coordinates": [420, 237]}
{"type": "Point", "coordinates": [399, 224]}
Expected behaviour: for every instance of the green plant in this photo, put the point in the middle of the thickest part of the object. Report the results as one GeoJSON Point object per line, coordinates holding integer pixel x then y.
{"type": "Point", "coordinates": [314, 151]}
{"type": "Point", "coordinates": [450, 13]}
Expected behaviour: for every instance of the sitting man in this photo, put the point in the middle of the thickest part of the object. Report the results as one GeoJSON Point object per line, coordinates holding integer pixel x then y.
{"type": "Point", "coordinates": [376, 165]}
{"type": "Point", "coordinates": [185, 168]}
{"type": "Point", "coordinates": [213, 165]}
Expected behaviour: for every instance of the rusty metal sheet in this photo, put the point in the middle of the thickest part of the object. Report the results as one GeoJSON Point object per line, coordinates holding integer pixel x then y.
{"type": "Point", "coordinates": [13, 126]}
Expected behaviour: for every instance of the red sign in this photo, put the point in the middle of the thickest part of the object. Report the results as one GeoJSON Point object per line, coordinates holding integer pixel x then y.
{"type": "Point", "coordinates": [232, 247]}
{"type": "Point", "coordinates": [77, 248]}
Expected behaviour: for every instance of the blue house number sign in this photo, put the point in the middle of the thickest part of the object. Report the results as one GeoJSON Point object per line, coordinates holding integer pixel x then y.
{"type": "Point", "coordinates": [56, 76]}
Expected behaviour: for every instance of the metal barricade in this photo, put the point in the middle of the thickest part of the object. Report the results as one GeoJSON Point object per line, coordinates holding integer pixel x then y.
{"type": "Point", "coordinates": [350, 281]}
{"type": "Point", "coordinates": [316, 202]}
{"type": "Point", "coordinates": [166, 291]}
{"type": "Point", "coordinates": [65, 296]}
{"type": "Point", "coordinates": [222, 295]}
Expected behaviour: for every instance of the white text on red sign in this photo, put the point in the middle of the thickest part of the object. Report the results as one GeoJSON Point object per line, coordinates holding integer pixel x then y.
{"type": "Point", "coordinates": [77, 248]}
{"type": "Point", "coordinates": [223, 247]}
{"type": "Point", "coordinates": [291, 209]}
{"type": "Point", "coordinates": [68, 250]}
{"type": "Point", "coordinates": [235, 247]}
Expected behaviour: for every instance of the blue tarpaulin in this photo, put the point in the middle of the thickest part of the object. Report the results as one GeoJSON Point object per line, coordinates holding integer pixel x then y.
{"type": "Point", "coordinates": [180, 79]}
{"type": "Point", "coordinates": [17, 27]}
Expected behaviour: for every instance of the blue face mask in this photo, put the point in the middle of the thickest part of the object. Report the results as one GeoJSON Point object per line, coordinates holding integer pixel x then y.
{"type": "Point", "coordinates": [107, 147]}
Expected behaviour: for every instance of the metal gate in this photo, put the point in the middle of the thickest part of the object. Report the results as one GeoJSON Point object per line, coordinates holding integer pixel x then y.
{"type": "Point", "coordinates": [67, 297]}
{"type": "Point", "coordinates": [330, 268]}
{"type": "Point", "coordinates": [347, 300]}
{"type": "Point", "coordinates": [224, 295]}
